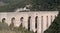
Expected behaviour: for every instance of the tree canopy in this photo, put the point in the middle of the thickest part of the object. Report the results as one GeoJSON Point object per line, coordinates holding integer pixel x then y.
{"type": "Point", "coordinates": [36, 5]}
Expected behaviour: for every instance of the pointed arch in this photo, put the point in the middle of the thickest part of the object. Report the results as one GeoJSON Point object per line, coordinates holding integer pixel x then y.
{"type": "Point", "coordinates": [36, 20]}
{"type": "Point", "coordinates": [12, 19]}
{"type": "Point", "coordinates": [3, 20]}
{"type": "Point", "coordinates": [12, 23]}
{"type": "Point", "coordinates": [41, 24]}
{"type": "Point", "coordinates": [47, 21]}
{"type": "Point", "coordinates": [51, 18]}
{"type": "Point", "coordinates": [29, 18]}
{"type": "Point", "coordinates": [21, 19]}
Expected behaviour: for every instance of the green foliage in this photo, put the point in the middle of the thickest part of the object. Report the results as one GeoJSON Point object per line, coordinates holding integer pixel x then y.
{"type": "Point", "coordinates": [36, 5]}
{"type": "Point", "coordinates": [3, 26]}
{"type": "Point", "coordinates": [23, 30]}
{"type": "Point", "coordinates": [10, 1]}
{"type": "Point", "coordinates": [45, 4]}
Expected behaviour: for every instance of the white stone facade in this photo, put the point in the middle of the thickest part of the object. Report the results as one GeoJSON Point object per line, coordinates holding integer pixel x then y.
{"type": "Point", "coordinates": [42, 19]}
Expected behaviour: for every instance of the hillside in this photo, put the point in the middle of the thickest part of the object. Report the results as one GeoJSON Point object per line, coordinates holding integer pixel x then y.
{"type": "Point", "coordinates": [11, 1]}
{"type": "Point", "coordinates": [2, 3]}
{"type": "Point", "coordinates": [4, 28]}
{"type": "Point", "coordinates": [36, 5]}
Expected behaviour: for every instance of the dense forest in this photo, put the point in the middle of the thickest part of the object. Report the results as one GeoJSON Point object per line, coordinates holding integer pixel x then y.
{"type": "Point", "coordinates": [38, 5]}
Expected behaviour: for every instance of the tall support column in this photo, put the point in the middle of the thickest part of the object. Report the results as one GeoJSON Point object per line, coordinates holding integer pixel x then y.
{"type": "Point", "coordinates": [47, 21]}
{"type": "Point", "coordinates": [29, 20]}
{"type": "Point", "coordinates": [21, 21]}
{"type": "Point", "coordinates": [32, 24]}
{"type": "Point", "coordinates": [44, 23]}
{"type": "Point", "coordinates": [39, 30]}
{"type": "Point", "coordinates": [17, 23]}
{"type": "Point", "coordinates": [50, 19]}
{"type": "Point", "coordinates": [25, 22]}
{"type": "Point", "coordinates": [8, 22]}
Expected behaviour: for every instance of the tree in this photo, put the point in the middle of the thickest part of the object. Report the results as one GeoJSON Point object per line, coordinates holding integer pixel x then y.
{"type": "Point", "coordinates": [45, 4]}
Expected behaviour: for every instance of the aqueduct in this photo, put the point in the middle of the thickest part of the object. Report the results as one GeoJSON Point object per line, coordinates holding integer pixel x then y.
{"type": "Point", "coordinates": [33, 21]}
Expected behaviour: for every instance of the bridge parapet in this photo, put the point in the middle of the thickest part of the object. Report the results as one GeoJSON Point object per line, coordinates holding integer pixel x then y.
{"type": "Point", "coordinates": [34, 21]}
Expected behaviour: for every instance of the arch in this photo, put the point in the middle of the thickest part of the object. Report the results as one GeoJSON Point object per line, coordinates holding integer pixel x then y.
{"type": "Point", "coordinates": [12, 19]}
{"type": "Point", "coordinates": [29, 18]}
{"type": "Point", "coordinates": [47, 21]}
{"type": "Point", "coordinates": [41, 24]}
{"type": "Point", "coordinates": [21, 19]}
{"type": "Point", "coordinates": [12, 23]}
{"type": "Point", "coordinates": [3, 20]}
{"type": "Point", "coordinates": [36, 21]}
{"type": "Point", "coordinates": [51, 18]}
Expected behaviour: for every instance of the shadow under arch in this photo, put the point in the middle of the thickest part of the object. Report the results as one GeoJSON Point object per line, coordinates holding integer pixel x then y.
{"type": "Point", "coordinates": [29, 18]}
{"type": "Point", "coordinates": [42, 24]}
{"type": "Point", "coordinates": [13, 18]}
{"type": "Point", "coordinates": [51, 18]}
{"type": "Point", "coordinates": [3, 20]}
{"type": "Point", "coordinates": [36, 20]}
{"type": "Point", "coordinates": [21, 19]}
{"type": "Point", "coordinates": [12, 23]}
{"type": "Point", "coordinates": [47, 21]}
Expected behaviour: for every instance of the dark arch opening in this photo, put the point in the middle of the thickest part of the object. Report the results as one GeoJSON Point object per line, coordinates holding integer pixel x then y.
{"type": "Point", "coordinates": [3, 20]}
{"type": "Point", "coordinates": [12, 23]}
{"type": "Point", "coordinates": [41, 24]}
{"type": "Point", "coordinates": [29, 18]}
{"type": "Point", "coordinates": [51, 19]}
{"type": "Point", "coordinates": [47, 21]}
{"type": "Point", "coordinates": [21, 19]}
{"type": "Point", "coordinates": [36, 21]}
{"type": "Point", "coordinates": [12, 19]}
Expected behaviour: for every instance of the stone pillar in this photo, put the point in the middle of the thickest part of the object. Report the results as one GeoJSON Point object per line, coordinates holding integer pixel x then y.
{"type": "Point", "coordinates": [16, 23]}
{"type": "Point", "coordinates": [44, 23]}
{"type": "Point", "coordinates": [21, 21]}
{"type": "Point", "coordinates": [32, 24]}
{"type": "Point", "coordinates": [25, 22]}
{"type": "Point", "coordinates": [49, 23]}
{"type": "Point", "coordinates": [8, 22]}
{"type": "Point", "coordinates": [39, 25]}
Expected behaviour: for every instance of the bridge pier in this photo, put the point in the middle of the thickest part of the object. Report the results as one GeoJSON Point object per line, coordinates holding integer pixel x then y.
{"type": "Point", "coordinates": [32, 24]}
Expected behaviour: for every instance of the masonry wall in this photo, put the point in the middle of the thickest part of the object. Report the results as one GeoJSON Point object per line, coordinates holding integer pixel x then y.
{"type": "Point", "coordinates": [44, 19]}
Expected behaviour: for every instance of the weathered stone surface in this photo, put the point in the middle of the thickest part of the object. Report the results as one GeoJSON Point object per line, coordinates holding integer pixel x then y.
{"type": "Point", "coordinates": [42, 23]}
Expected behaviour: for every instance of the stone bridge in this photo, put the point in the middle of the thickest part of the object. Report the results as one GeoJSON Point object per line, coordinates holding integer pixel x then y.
{"type": "Point", "coordinates": [37, 21]}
